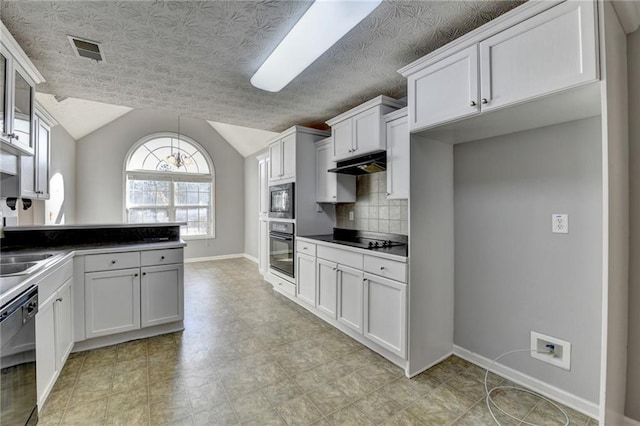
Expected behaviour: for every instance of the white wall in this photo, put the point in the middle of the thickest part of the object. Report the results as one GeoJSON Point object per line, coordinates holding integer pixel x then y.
{"type": "Point", "coordinates": [512, 275]}
{"type": "Point", "coordinates": [63, 162]}
{"type": "Point", "coordinates": [632, 408]}
{"type": "Point", "coordinates": [251, 204]}
{"type": "Point", "coordinates": [100, 178]}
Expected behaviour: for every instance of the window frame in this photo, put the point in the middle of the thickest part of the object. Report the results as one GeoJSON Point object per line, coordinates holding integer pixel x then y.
{"type": "Point", "coordinates": [172, 178]}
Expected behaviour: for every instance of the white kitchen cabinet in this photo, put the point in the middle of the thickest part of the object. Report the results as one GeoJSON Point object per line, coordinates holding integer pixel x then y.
{"type": "Point", "coordinates": [54, 328]}
{"type": "Point", "coordinates": [282, 158]}
{"type": "Point", "coordinates": [263, 245]}
{"type": "Point", "coordinates": [263, 186]}
{"type": "Point", "coordinates": [552, 51]}
{"type": "Point", "coordinates": [332, 187]}
{"type": "Point", "coordinates": [398, 162]}
{"type": "Point", "coordinates": [445, 91]}
{"type": "Point", "coordinates": [327, 283]}
{"type": "Point", "coordinates": [161, 294]}
{"type": "Point", "coordinates": [112, 301]}
{"type": "Point", "coordinates": [34, 170]}
{"type": "Point", "coordinates": [385, 313]}
{"type": "Point", "coordinates": [306, 278]}
{"type": "Point", "coordinates": [350, 288]}
{"type": "Point", "coordinates": [360, 131]}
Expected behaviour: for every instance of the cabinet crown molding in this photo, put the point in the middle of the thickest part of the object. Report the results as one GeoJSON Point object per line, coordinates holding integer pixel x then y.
{"type": "Point", "coordinates": [379, 100]}
{"type": "Point", "coordinates": [394, 115]}
{"type": "Point", "coordinates": [300, 129]}
{"type": "Point", "coordinates": [501, 23]}
{"type": "Point", "coordinates": [16, 51]}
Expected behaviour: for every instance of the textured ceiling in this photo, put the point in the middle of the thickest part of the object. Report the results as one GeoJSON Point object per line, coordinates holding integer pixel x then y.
{"type": "Point", "coordinates": [197, 57]}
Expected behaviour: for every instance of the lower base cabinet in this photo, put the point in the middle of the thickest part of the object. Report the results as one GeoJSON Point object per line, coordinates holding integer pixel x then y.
{"type": "Point", "coordinates": [350, 283]}
{"type": "Point", "coordinates": [306, 278]}
{"type": "Point", "coordinates": [161, 295]}
{"type": "Point", "coordinates": [327, 279]}
{"type": "Point", "coordinates": [385, 313]}
{"type": "Point", "coordinates": [54, 338]}
{"type": "Point", "coordinates": [112, 302]}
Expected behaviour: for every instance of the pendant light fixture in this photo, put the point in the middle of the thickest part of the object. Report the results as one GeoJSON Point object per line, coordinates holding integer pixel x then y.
{"type": "Point", "coordinates": [321, 26]}
{"type": "Point", "coordinates": [177, 158]}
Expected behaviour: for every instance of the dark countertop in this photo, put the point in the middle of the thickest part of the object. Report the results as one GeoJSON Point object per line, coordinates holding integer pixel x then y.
{"type": "Point", "coordinates": [329, 238]}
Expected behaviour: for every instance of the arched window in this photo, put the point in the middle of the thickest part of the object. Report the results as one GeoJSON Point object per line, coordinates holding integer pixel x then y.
{"type": "Point", "coordinates": [170, 178]}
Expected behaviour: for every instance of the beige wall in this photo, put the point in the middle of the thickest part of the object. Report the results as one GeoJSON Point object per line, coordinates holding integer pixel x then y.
{"type": "Point", "coordinates": [633, 356]}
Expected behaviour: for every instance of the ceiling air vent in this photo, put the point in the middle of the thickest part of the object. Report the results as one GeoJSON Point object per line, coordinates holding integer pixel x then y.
{"type": "Point", "coordinates": [86, 48]}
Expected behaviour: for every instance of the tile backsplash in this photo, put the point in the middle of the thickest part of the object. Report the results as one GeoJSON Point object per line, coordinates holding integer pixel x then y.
{"type": "Point", "coordinates": [372, 210]}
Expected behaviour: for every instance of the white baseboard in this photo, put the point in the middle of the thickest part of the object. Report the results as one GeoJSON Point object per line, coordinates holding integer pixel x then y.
{"type": "Point", "coordinates": [630, 422]}
{"type": "Point", "coordinates": [251, 258]}
{"type": "Point", "coordinates": [572, 401]}
{"type": "Point", "coordinates": [209, 258]}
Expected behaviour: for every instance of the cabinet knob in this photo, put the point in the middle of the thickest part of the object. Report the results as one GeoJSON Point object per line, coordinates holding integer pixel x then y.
{"type": "Point", "coordinates": [388, 193]}
{"type": "Point", "coordinates": [472, 103]}
{"type": "Point", "coordinates": [16, 137]}
{"type": "Point", "coordinates": [161, 257]}
{"type": "Point", "coordinates": [135, 275]}
{"type": "Point", "coordinates": [113, 262]}
{"type": "Point", "coordinates": [485, 101]}
{"type": "Point", "coordinates": [59, 299]}
{"type": "Point", "coordinates": [382, 268]}
{"type": "Point", "coordinates": [304, 248]}
{"type": "Point", "coordinates": [334, 269]}
{"type": "Point", "coordinates": [144, 273]}
{"type": "Point", "coordinates": [365, 279]}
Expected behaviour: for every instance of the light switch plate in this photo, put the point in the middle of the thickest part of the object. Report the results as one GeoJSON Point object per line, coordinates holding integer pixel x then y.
{"type": "Point", "coordinates": [351, 215]}
{"type": "Point", "coordinates": [560, 223]}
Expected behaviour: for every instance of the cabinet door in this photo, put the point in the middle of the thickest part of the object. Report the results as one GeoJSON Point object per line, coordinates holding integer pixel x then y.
{"type": "Point", "coordinates": [327, 279]}
{"type": "Point", "coordinates": [263, 185]}
{"type": "Point", "coordinates": [289, 157]}
{"type": "Point", "coordinates": [112, 302]}
{"type": "Point", "coordinates": [263, 246]}
{"type": "Point", "coordinates": [552, 51]}
{"type": "Point", "coordinates": [22, 114]}
{"type": "Point", "coordinates": [28, 172]}
{"type": "Point", "coordinates": [342, 135]}
{"type": "Point", "coordinates": [64, 322]}
{"type": "Point", "coordinates": [43, 154]}
{"type": "Point", "coordinates": [350, 297]}
{"type": "Point", "coordinates": [326, 183]}
{"type": "Point", "coordinates": [161, 294]}
{"type": "Point", "coordinates": [398, 159]}
{"type": "Point", "coordinates": [3, 99]}
{"type": "Point", "coordinates": [385, 313]}
{"type": "Point", "coordinates": [444, 91]}
{"type": "Point", "coordinates": [275, 161]}
{"type": "Point", "coordinates": [306, 278]}
{"type": "Point", "coordinates": [367, 127]}
{"type": "Point", "coordinates": [46, 371]}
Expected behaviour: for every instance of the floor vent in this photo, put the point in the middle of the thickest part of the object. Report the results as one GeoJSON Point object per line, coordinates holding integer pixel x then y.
{"type": "Point", "coordinates": [86, 48]}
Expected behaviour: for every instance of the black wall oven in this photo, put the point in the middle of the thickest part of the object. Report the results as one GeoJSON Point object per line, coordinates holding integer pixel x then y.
{"type": "Point", "coordinates": [281, 248]}
{"type": "Point", "coordinates": [281, 203]}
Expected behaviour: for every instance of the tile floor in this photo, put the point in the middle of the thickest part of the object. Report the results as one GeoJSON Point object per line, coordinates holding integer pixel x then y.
{"type": "Point", "coordinates": [249, 356]}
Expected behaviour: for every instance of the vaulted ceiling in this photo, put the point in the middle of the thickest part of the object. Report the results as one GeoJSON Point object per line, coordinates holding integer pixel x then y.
{"type": "Point", "coordinates": [197, 57]}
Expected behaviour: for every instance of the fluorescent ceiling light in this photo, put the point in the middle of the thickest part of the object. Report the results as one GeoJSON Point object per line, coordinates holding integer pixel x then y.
{"type": "Point", "coordinates": [322, 25]}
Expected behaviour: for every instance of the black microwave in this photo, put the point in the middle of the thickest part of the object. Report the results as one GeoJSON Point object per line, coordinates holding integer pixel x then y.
{"type": "Point", "coordinates": [281, 203]}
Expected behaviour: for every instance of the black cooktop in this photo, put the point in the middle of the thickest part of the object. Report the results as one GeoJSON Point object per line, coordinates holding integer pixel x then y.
{"type": "Point", "coordinates": [378, 241]}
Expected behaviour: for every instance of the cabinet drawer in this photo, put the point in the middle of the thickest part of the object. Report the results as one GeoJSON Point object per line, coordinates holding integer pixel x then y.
{"type": "Point", "coordinates": [306, 248]}
{"type": "Point", "coordinates": [50, 284]}
{"type": "Point", "coordinates": [386, 268]}
{"type": "Point", "coordinates": [343, 257]}
{"type": "Point", "coordinates": [285, 287]}
{"type": "Point", "coordinates": [111, 261]}
{"type": "Point", "coordinates": [161, 257]}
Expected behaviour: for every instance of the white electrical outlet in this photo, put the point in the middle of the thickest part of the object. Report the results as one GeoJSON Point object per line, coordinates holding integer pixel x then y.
{"type": "Point", "coordinates": [551, 350]}
{"type": "Point", "coordinates": [560, 223]}
{"type": "Point", "coordinates": [351, 215]}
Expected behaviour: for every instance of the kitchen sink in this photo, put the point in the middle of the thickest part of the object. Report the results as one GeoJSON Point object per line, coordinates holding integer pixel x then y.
{"type": "Point", "coordinates": [15, 268]}
{"type": "Point", "coordinates": [23, 258]}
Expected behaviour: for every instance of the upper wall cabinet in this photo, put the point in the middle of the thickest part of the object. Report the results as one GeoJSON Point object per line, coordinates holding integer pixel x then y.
{"type": "Point", "coordinates": [17, 87]}
{"type": "Point", "coordinates": [35, 169]}
{"type": "Point", "coordinates": [552, 51]}
{"type": "Point", "coordinates": [398, 163]}
{"type": "Point", "coordinates": [332, 187]}
{"type": "Point", "coordinates": [360, 130]}
{"type": "Point", "coordinates": [282, 159]}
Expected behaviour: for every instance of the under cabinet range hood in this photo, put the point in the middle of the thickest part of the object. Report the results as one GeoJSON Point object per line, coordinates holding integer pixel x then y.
{"type": "Point", "coordinates": [371, 163]}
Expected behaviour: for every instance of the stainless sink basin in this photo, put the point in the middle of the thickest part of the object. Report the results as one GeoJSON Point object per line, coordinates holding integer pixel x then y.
{"type": "Point", "coordinates": [23, 258]}
{"type": "Point", "coordinates": [15, 268]}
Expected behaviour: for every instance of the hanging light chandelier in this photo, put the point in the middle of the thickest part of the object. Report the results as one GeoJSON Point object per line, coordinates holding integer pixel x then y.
{"type": "Point", "coordinates": [177, 158]}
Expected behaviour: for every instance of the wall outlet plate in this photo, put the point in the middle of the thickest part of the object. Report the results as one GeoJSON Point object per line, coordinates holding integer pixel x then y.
{"type": "Point", "coordinates": [561, 356]}
{"type": "Point", "coordinates": [351, 215]}
{"type": "Point", "coordinates": [560, 223]}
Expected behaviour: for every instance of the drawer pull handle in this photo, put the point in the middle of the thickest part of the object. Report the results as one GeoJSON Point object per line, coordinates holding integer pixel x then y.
{"type": "Point", "coordinates": [485, 101]}
{"type": "Point", "coordinates": [161, 257]}
{"type": "Point", "coordinates": [59, 299]}
{"type": "Point", "coordinates": [304, 248]}
{"type": "Point", "coordinates": [144, 273]}
{"type": "Point", "coordinates": [113, 262]}
{"type": "Point", "coordinates": [135, 275]}
{"type": "Point", "coordinates": [382, 268]}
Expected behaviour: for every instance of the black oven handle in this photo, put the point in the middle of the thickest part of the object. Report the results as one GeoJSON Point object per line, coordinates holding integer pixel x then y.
{"type": "Point", "coordinates": [277, 237]}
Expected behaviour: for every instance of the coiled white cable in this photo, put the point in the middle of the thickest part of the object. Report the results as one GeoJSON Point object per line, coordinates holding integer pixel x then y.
{"type": "Point", "coordinates": [491, 402]}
